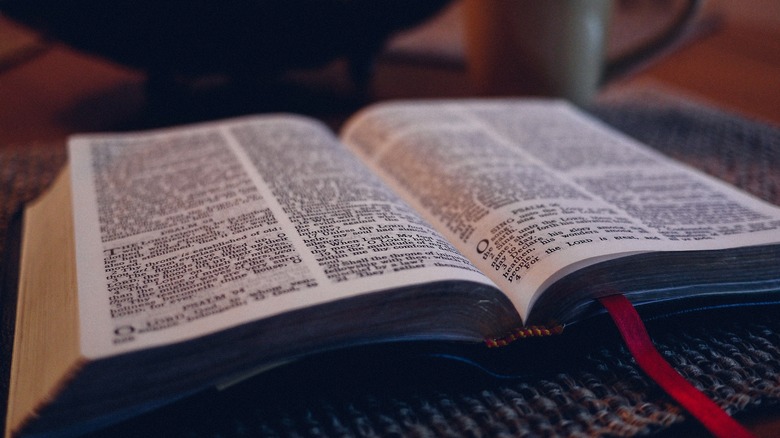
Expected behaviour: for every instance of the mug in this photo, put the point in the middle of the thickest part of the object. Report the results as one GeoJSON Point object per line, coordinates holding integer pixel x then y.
{"type": "Point", "coordinates": [549, 47]}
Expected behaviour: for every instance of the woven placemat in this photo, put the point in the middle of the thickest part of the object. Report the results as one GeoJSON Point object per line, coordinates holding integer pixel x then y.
{"type": "Point", "coordinates": [596, 390]}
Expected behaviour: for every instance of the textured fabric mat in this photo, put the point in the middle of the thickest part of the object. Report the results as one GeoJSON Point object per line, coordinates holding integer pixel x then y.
{"type": "Point", "coordinates": [582, 392]}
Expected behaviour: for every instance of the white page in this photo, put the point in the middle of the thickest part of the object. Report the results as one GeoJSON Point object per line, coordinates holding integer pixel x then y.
{"type": "Point", "coordinates": [188, 231]}
{"type": "Point", "coordinates": [532, 190]}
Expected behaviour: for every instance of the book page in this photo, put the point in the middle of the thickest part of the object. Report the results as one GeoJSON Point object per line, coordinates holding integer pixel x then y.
{"type": "Point", "coordinates": [187, 231]}
{"type": "Point", "coordinates": [532, 190]}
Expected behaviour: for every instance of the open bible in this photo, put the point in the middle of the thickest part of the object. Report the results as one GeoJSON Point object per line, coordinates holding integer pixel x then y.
{"type": "Point", "coordinates": [184, 258]}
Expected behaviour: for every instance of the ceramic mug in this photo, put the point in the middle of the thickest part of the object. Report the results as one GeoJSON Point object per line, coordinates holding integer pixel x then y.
{"type": "Point", "coordinates": [549, 47]}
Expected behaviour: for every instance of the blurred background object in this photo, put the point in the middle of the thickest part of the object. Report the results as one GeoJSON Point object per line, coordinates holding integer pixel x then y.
{"type": "Point", "coordinates": [248, 40]}
{"type": "Point", "coordinates": [728, 53]}
{"type": "Point", "coordinates": [186, 46]}
{"type": "Point", "coordinates": [509, 39]}
{"type": "Point", "coordinates": [556, 46]}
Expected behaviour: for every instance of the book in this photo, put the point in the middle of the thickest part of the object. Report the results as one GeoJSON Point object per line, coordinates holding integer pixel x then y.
{"type": "Point", "coordinates": [164, 262]}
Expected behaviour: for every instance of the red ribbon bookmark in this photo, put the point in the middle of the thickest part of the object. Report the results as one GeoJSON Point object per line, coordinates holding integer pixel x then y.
{"type": "Point", "coordinates": [634, 333]}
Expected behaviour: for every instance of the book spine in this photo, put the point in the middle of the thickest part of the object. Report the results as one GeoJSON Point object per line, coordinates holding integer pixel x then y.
{"type": "Point", "coordinates": [533, 331]}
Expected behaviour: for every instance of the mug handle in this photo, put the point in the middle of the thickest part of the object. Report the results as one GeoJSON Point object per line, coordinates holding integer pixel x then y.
{"type": "Point", "coordinates": [644, 53]}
